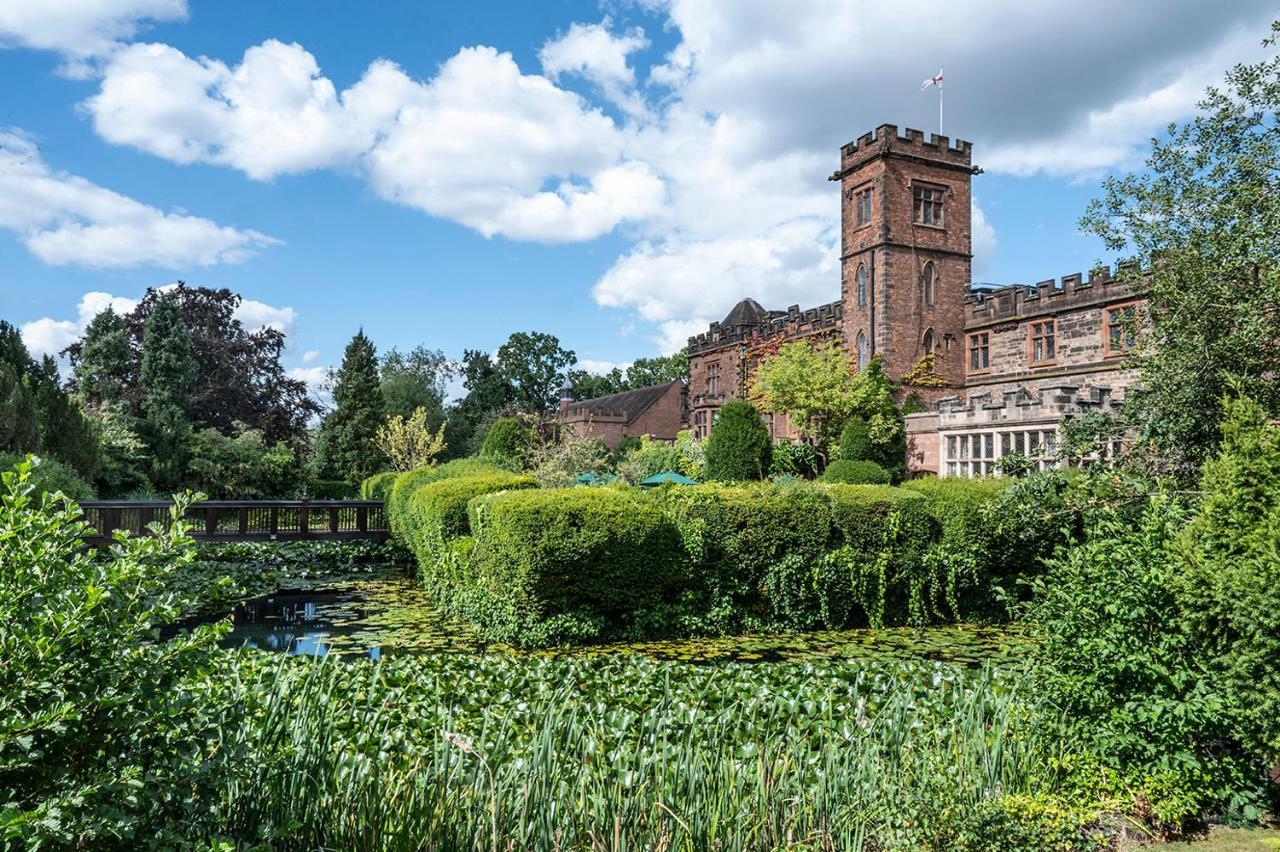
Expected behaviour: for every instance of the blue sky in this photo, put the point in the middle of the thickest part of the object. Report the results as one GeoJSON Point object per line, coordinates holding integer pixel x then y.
{"type": "Point", "coordinates": [615, 173]}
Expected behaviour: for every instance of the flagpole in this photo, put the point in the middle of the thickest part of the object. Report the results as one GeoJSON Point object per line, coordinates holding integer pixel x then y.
{"type": "Point", "coordinates": [939, 109]}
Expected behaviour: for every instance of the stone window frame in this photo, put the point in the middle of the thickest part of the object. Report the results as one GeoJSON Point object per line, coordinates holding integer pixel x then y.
{"type": "Point", "coordinates": [861, 284]}
{"type": "Point", "coordinates": [713, 378]}
{"type": "Point", "coordinates": [1052, 338]}
{"type": "Point", "coordinates": [862, 347]}
{"type": "Point", "coordinates": [929, 341]}
{"type": "Point", "coordinates": [929, 283]}
{"type": "Point", "coordinates": [936, 195]}
{"type": "Point", "coordinates": [970, 348]}
{"type": "Point", "coordinates": [1107, 350]}
{"type": "Point", "coordinates": [862, 205]}
{"type": "Point", "coordinates": [977, 451]}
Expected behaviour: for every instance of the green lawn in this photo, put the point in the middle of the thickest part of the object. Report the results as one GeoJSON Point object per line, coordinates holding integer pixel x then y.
{"type": "Point", "coordinates": [1229, 840]}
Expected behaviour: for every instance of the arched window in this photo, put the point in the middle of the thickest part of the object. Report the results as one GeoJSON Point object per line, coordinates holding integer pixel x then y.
{"type": "Point", "coordinates": [864, 351]}
{"type": "Point", "coordinates": [929, 278]}
{"type": "Point", "coordinates": [862, 285]}
{"type": "Point", "coordinates": [929, 343]}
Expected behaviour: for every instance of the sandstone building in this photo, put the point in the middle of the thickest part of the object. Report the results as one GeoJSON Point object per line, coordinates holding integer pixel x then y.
{"type": "Point", "coordinates": [657, 411]}
{"type": "Point", "coordinates": [1012, 362]}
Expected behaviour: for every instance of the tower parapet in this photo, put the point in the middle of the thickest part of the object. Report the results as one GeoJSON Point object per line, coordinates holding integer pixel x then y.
{"type": "Point", "coordinates": [1017, 301]}
{"type": "Point", "coordinates": [886, 141]}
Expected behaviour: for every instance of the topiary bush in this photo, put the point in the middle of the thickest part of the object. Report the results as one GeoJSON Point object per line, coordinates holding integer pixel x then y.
{"type": "Point", "coordinates": [738, 448]}
{"type": "Point", "coordinates": [855, 472]}
{"type": "Point", "coordinates": [397, 496]}
{"type": "Point", "coordinates": [508, 438]}
{"type": "Point", "coordinates": [855, 440]}
{"type": "Point", "coordinates": [378, 486]}
{"type": "Point", "coordinates": [437, 512]}
{"type": "Point", "coordinates": [570, 564]}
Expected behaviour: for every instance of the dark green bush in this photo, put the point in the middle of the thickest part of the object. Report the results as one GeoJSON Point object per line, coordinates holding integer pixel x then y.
{"type": "Point", "coordinates": [879, 567]}
{"type": "Point", "coordinates": [738, 449]}
{"type": "Point", "coordinates": [378, 486]}
{"type": "Point", "coordinates": [508, 438]}
{"type": "Point", "coordinates": [437, 511]}
{"type": "Point", "coordinates": [737, 535]}
{"type": "Point", "coordinates": [50, 475]}
{"type": "Point", "coordinates": [855, 440]}
{"type": "Point", "coordinates": [796, 460]}
{"type": "Point", "coordinates": [397, 496]}
{"type": "Point", "coordinates": [855, 472]}
{"type": "Point", "coordinates": [570, 563]}
{"type": "Point", "coordinates": [1228, 570]}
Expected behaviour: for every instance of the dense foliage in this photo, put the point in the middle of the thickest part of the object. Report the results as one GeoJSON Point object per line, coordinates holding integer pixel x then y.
{"type": "Point", "coordinates": [1200, 218]}
{"type": "Point", "coordinates": [856, 472]}
{"type": "Point", "coordinates": [739, 448]}
{"type": "Point", "coordinates": [510, 439]}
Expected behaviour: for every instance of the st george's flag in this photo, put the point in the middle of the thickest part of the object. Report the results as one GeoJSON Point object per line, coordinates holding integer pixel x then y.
{"type": "Point", "coordinates": [932, 81]}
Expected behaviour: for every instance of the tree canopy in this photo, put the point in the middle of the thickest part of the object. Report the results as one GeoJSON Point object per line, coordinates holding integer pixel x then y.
{"type": "Point", "coordinates": [534, 364]}
{"type": "Point", "coordinates": [346, 447]}
{"type": "Point", "coordinates": [1203, 220]}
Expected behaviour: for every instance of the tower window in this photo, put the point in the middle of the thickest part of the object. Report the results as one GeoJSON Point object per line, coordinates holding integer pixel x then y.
{"type": "Point", "coordinates": [862, 286]}
{"type": "Point", "coordinates": [929, 344]}
{"type": "Point", "coordinates": [979, 351]}
{"type": "Point", "coordinates": [713, 378]}
{"type": "Point", "coordinates": [862, 207]}
{"type": "Point", "coordinates": [929, 279]}
{"type": "Point", "coordinates": [928, 205]}
{"type": "Point", "coordinates": [1042, 341]}
{"type": "Point", "coordinates": [864, 351]}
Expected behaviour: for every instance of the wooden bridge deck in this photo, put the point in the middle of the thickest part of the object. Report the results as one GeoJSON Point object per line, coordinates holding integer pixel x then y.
{"type": "Point", "coordinates": [244, 520]}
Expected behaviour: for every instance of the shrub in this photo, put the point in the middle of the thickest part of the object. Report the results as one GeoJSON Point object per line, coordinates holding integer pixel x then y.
{"type": "Point", "coordinates": [397, 499]}
{"type": "Point", "coordinates": [552, 565]}
{"type": "Point", "coordinates": [100, 738]}
{"type": "Point", "coordinates": [737, 536]}
{"type": "Point", "coordinates": [1228, 570]}
{"type": "Point", "coordinates": [795, 460]}
{"type": "Point", "coordinates": [508, 438]}
{"type": "Point", "coordinates": [738, 448]}
{"type": "Point", "coordinates": [649, 457]}
{"type": "Point", "coordinates": [855, 440]}
{"type": "Point", "coordinates": [880, 567]}
{"type": "Point", "coordinates": [1109, 656]}
{"type": "Point", "coordinates": [853, 472]}
{"type": "Point", "coordinates": [437, 511]}
{"type": "Point", "coordinates": [49, 476]}
{"type": "Point", "coordinates": [378, 486]}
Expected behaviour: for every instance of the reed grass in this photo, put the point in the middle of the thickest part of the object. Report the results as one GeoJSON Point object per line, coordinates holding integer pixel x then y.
{"type": "Point", "coordinates": [624, 755]}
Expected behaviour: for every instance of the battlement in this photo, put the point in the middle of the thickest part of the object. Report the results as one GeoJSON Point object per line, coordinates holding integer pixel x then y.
{"type": "Point", "coordinates": [792, 322]}
{"type": "Point", "coordinates": [1017, 301]}
{"type": "Point", "coordinates": [885, 140]}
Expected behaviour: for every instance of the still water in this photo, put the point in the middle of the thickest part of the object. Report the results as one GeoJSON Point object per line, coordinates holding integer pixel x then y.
{"type": "Point", "coordinates": [391, 615]}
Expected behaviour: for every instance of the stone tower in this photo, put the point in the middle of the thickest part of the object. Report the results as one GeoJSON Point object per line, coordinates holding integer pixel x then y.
{"type": "Point", "coordinates": [905, 248]}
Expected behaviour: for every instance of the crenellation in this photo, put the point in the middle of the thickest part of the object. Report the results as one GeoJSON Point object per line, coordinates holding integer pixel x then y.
{"type": "Point", "coordinates": [1015, 301]}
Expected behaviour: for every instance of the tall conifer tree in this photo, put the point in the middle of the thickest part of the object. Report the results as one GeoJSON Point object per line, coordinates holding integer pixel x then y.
{"type": "Point", "coordinates": [345, 447]}
{"type": "Point", "coordinates": [167, 375]}
{"type": "Point", "coordinates": [101, 371]}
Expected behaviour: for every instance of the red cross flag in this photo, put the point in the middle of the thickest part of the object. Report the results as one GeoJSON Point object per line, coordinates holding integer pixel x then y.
{"type": "Point", "coordinates": [932, 81]}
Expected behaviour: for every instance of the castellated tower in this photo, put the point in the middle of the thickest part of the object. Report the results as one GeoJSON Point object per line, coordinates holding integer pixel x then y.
{"type": "Point", "coordinates": [905, 249]}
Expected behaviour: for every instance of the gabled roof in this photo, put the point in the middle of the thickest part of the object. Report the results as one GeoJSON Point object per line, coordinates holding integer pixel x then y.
{"type": "Point", "coordinates": [746, 312]}
{"type": "Point", "coordinates": [631, 404]}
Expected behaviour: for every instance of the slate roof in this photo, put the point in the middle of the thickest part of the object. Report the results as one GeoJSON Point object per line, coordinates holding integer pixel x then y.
{"type": "Point", "coordinates": [631, 404]}
{"type": "Point", "coordinates": [746, 312]}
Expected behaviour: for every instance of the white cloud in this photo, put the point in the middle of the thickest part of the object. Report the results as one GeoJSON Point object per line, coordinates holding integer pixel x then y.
{"type": "Point", "coordinates": [49, 336]}
{"type": "Point", "coordinates": [480, 143]}
{"type": "Point", "coordinates": [983, 237]}
{"type": "Point", "coordinates": [596, 54]}
{"type": "Point", "coordinates": [310, 356]}
{"type": "Point", "coordinates": [600, 368]}
{"type": "Point", "coordinates": [64, 219]}
{"type": "Point", "coordinates": [81, 29]}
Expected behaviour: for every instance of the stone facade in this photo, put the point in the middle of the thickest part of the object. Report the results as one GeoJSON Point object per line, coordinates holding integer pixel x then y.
{"type": "Point", "coordinates": [1011, 363]}
{"type": "Point", "coordinates": [657, 411]}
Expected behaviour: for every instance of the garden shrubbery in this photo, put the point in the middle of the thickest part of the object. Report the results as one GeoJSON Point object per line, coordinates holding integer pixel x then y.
{"type": "Point", "coordinates": [738, 448]}
{"type": "Point", "coordinates": [50, 476]}
{"type": "Point", "coordinates": [855, 472]}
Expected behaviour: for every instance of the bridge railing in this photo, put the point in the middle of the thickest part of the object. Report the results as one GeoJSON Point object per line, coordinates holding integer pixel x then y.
{"type": "Point", "coordinates": [244, 520]}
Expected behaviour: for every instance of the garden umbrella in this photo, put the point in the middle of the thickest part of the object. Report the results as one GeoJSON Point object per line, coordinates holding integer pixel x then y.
{"type": "Point", "coordinates": [665, 476]}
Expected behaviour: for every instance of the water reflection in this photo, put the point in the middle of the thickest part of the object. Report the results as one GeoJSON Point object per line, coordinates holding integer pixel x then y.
{"type": "Point", "coordinates": [392, 615]}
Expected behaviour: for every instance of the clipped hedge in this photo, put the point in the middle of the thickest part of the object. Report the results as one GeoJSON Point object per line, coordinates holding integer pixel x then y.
{"type": "Point", "coordinates": [436, 512]}
{"type": "Point", "coordinates": [570, 564]}
{"type": "Point", "coordinates": [378, 486]}
{"type": "Point", "coordinates": [856, 472]}
{"type": "Point", "coordinates": [397, 495]}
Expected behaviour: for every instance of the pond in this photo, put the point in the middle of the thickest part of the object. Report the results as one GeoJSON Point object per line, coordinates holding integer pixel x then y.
{"type": "Point", "coordinates": [389, 614]}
